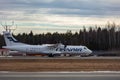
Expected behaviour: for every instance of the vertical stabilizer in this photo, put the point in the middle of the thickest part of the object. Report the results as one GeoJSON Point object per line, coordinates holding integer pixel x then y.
{"type": "Point", "coordinates": [10, 40]}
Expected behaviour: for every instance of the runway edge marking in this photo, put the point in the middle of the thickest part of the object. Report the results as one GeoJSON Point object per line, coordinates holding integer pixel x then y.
{"type": "Point", "coordinates": [64, 72]}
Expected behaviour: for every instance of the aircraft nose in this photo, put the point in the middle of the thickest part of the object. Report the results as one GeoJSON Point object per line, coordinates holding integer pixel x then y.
{"type": "Point", "coordinates": [90, 51]}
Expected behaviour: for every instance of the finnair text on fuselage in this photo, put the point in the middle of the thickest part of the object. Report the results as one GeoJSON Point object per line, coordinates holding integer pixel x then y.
{"type": "Point", "coordinates": [69, 49]}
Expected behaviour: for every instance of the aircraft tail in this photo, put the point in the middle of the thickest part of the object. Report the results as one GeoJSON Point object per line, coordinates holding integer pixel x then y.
{"type": "Point", "coordinates": [10, 40]}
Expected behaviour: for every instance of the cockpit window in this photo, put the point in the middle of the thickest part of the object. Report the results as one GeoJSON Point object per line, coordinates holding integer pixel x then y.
{"type": "Point", "coordinates": [85, 48]}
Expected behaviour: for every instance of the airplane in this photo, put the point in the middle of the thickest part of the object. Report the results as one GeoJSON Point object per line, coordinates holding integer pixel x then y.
{"type": "Point", "coordinates": [47, 49]}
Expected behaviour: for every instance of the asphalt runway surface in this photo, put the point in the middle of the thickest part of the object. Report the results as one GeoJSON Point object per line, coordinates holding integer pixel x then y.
{"type": "Point", "coordinates": [39, 57]}
{"type": "Point", "coordinates": [59, 75]}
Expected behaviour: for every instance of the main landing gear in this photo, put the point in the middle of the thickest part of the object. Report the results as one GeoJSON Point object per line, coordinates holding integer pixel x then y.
{"type": "Point", "coordinates": [51, 55]}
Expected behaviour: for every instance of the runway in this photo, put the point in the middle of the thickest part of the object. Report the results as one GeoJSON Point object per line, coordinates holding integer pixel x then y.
{"type": "Point", "coordinates": [39, 57]}
{"type": "Point", "coordinates": [59, 75]}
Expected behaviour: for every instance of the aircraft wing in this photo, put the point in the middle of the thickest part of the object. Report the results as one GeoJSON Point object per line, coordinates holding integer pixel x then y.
{"type": "Point", "coordinates": [52, 46]}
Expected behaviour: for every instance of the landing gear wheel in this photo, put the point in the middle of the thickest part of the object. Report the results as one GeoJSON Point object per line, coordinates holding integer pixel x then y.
{"type": "Point", "coordinates": [51, 55]}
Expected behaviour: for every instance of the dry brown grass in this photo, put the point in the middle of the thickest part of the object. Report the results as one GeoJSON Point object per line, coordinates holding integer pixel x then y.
{"type": "Point", "coordinates": [60, 65]}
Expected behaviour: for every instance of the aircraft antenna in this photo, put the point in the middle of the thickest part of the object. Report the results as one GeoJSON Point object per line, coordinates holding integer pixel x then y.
{"type": "Point", "coordinates": [9, 28]}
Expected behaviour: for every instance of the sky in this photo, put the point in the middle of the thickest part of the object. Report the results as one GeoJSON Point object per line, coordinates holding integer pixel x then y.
{"type": "Point", "coordinates": [43, 16]}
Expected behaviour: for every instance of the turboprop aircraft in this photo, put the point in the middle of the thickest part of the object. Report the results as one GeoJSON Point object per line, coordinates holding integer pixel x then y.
{"type": "Point", "coordinates": [48, 49]}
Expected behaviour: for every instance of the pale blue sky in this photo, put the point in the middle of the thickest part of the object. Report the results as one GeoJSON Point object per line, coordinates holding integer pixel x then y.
{"type": "Point", "coordinates": [58, 15]}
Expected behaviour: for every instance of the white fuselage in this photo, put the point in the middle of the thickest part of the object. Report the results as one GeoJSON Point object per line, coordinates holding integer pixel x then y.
{"type": "Point", "coordinates": [49, 50]}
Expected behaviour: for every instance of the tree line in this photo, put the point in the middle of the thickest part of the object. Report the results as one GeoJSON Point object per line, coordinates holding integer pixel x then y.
{"type": "Point", "coordinates": [97, 38]}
